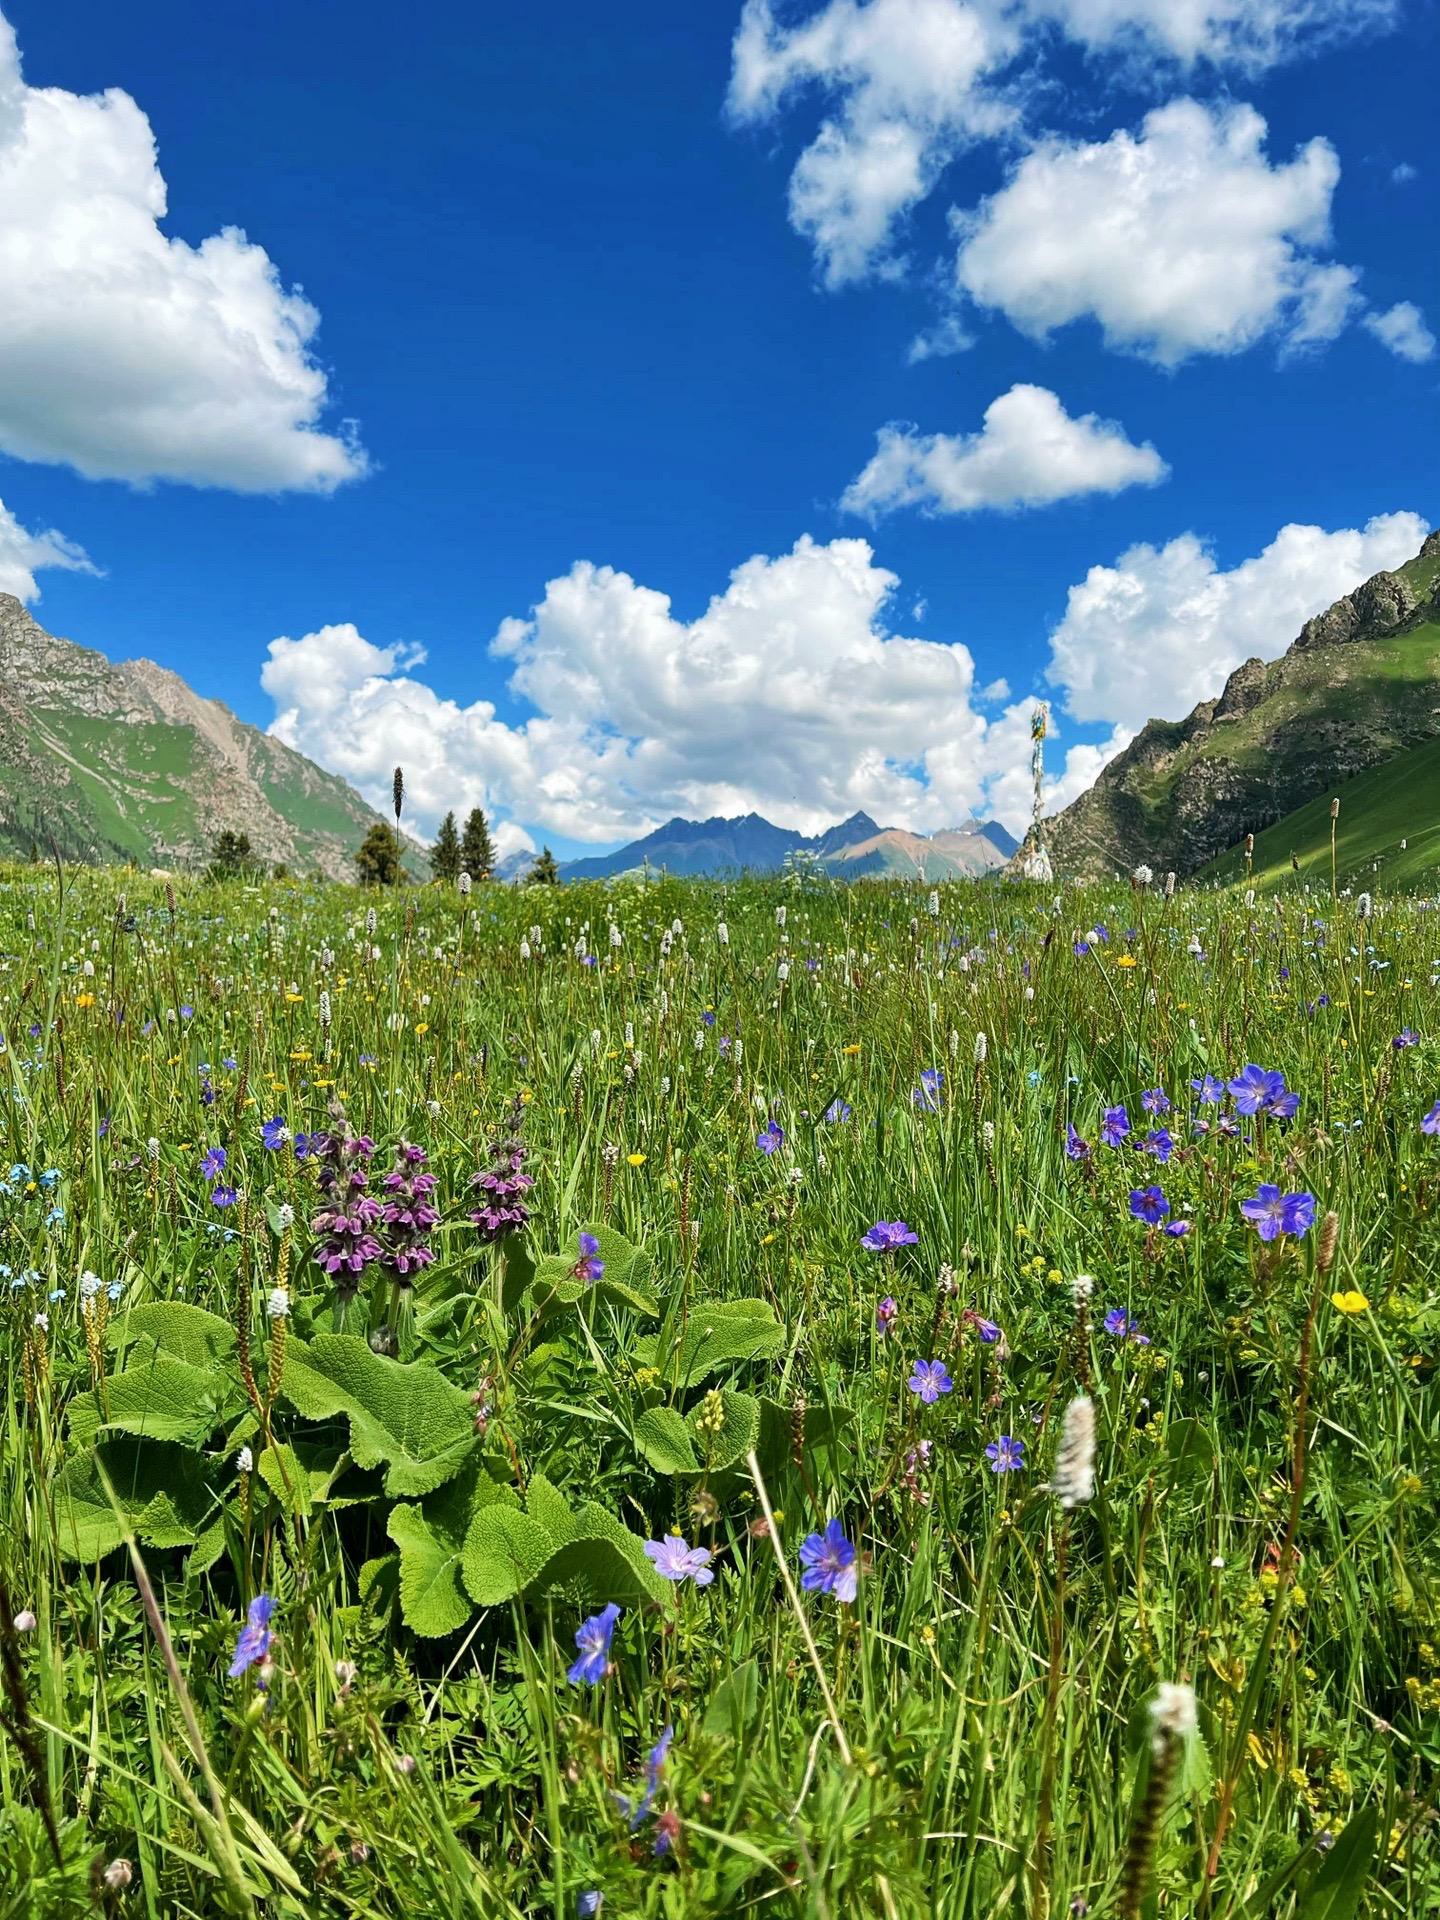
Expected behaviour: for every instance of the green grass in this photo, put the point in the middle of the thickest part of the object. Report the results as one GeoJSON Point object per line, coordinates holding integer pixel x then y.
{"type": "Point", "coordinates": [443, 1480]}
{"type": "Point", "coordinates": [1387, 834]}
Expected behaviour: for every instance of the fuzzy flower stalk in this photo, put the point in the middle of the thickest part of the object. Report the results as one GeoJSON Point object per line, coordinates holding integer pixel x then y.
{"type": "Point", "coordinates": [503, 1185]}
{"type": "Point", "coordinates": [1172, 1724]}
{"type": "Point", "coordinates": [344, 1227]}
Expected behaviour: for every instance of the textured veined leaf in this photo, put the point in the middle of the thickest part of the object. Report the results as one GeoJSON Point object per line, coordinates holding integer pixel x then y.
{"type": "Point", "coordinates": [176, 1328]}
{"type": "Point", "coordinates": [664, 1439]}
{"type": "Point", "coordinates": [718, 1333]}
{"type": "Point", "coordinates": [159, 1487]}
{"type": "Point", "coordinates": [156, 1398]}
{"type": "Point", "coordinates": [404, 1417]}
{"type": "Point", "coordinates": [431, 1537]}
{"type": "Point", "coordinates": [504, 1551]}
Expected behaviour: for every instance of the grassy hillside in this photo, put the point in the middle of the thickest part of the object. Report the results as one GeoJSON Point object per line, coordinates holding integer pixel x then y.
{"type": "Point", "coordinates": [1388, 832]}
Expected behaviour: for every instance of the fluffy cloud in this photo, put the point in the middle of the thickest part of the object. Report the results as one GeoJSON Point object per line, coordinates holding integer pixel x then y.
{"type": "Point", "coordinates": [908, 83]}
{"type": "Point", "coordinates": [130, 355]}
{"type": "Point", "coordinates": [1402, 329]}
{"type": "Point", "coordinates": [1247, 34]}
{"type": "Point", "coordinates": [1163, 627]}
{"type": "Point", "coordinates": [1182, 239]}
{"type": "Point", "coordinates": [23, 554]}
{"type": "Point", "coordinates": [1029, 452]}
{"type": "Point", "coordinates": [788, 695]}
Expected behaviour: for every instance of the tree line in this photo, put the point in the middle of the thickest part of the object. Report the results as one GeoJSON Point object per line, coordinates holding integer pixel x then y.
{"type": "Point", "coordinates": [379, 862]}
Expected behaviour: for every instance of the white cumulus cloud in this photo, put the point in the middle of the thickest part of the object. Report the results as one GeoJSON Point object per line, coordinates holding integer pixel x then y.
{"type": "Point", "coordinates": [1162, 628]}
{"type": "Point", "coordinates": [1178, 240]}
{"type": "Point", "coordinates": [1402, 329]}
{"type": "Point", "coordinates": [1028, 453]}
{"type": "Point", "coordinates": [789, 695]}
{"type": "Point", "coordinates": [907, 84]}
{"type": "Point", "coordinates": [127, 353]}
{"type": "Point", "coordinates": [23, 554]}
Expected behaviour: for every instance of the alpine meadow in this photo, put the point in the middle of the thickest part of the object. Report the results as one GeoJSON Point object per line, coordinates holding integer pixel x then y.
{"type": "Point", "coordinates": [771, 1397]}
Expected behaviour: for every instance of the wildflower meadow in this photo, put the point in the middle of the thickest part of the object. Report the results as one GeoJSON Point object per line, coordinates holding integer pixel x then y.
{"type": "Point", "coordinates": [677, 1398]}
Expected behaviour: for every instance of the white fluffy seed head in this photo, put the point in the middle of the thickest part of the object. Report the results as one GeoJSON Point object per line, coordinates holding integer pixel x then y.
{"type": "Point", "coordinates": [1074, 1481]}
{"type": "Point", "coordinates": [1081, 1288]}
{"type": "Point", "coordinates": [1172, 1713]}
{"type": "Point", "coordinates": [982, 1047]}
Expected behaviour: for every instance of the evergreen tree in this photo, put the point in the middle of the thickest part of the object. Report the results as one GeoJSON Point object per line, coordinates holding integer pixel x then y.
{"type": "Point", "coordinates": [544, 873]}
{"type": "Point", "coordinates": [231, 854]}
{"type": "Point", "coordinates": [378, 860]}
{"type": "Point", "coordinates": [445, 859]}
{"type": "Point", "coordinates": [477, 855]}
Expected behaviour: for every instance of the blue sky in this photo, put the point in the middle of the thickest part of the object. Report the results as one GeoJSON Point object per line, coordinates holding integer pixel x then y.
{"type": "Point", "coordinates": [577, 314]}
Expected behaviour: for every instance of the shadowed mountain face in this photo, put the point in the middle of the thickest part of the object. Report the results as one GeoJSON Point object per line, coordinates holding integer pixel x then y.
{"type": "Point", "coordinates": [122, 761]}
{"type": "Point", "coordinates": [857, 848]}
{"type": "Point", "coordinates": [1360, 684]}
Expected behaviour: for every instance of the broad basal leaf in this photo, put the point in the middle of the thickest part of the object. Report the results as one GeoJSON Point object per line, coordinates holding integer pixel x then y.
{"type": "Point", "coordinates": [160, 1488]}
{"type": "Point", "coordinates": [159, 1398]}
{"type": "Point", "coordinates": [431, 1538]}
{"type": "Point", "coordinates": [176, 1328]}
{"type": "Point", "coordinates": [718, 1333]}
{"type": "Point", "coordinates": [404, 1417]}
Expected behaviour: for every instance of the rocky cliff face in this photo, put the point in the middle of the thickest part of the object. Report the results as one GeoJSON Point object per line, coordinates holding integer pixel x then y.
{"type": "Point", "coordinates": [1360, 683]}
{"type": "Point", "coordinates": [107, 760]}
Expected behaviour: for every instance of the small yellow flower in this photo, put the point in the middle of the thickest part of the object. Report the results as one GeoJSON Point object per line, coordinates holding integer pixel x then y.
{"type": "Point", "coordinates": [1351, 1301]}
{"type": "Point", "coordinates": [1127, 960]}
{"type": "Point", "coordinates": [294, 999]}
{"type": "Point", "coordinates": [422, 1026]}
{"type": "Point", "coordinates": [84, 999]}
{"type": "Point", "coordinates": [634, 1159]}
{"type": "Point", "coordinates": [854, 1047]}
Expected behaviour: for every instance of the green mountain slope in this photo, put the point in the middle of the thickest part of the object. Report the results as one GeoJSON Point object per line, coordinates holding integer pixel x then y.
{"type": "Point", "coordinates": [123, 761]}
{"type": "Point", "coordinates": [1359, 685]}
{"type": "Point", "coordinates": [1388, 831]}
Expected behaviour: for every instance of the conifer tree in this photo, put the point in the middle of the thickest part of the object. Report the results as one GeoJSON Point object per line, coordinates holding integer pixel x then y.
{"type": "Point", "coordinates": [378, 861]}
{"type": "Point", "coordinates": [477, 854]}
{"type": "Point", "coordinates": [445, 857]}
{"type": "Point", "coordinates": [544, 873]}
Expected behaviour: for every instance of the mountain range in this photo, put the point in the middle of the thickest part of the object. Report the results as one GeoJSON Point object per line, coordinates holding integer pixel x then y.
{"type": "Point", "coordinates": [1358, 686]}
{"type": "Point", "coordinates": [104, 760]}
{"type": "Point", "coordinates": [855, 849]}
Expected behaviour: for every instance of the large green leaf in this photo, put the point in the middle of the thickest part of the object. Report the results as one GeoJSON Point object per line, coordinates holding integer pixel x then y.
{"type": "Point", "coordinates": [176, 1328]}
{"type": "Point", "coordinates": [1334, 1893]}
{"type": "Point", "coordinates": [737, 1432]}
{"type": "Point", "coordinates": [159, 1487]}
{"type": "Point", "coordinates": [504, 1551]}
{"type": "Point", "coordinates": [663, 1437]}
{"type": "Point", "coordinates": [404, 1417]}
{"type": "Point", "coordinates": [718, 1333]}
{"type": "Point", "coordinates": [157, 1397]}
{"type": "Point", "coordinates": [624, 1279]}
{"type": "Point", "coordinates": [431, 1538]}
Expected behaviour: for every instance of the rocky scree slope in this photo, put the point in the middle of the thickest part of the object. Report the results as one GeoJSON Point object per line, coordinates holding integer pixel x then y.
{"type": "Point", "coordinates": [123, 761]}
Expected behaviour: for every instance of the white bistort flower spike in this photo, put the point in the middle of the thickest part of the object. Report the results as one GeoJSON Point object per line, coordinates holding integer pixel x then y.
{"type": "Point", "coordinates": [1074, 1481]}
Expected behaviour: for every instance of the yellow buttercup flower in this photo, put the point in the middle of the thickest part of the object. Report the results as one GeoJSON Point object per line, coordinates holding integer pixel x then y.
{"type": "Point", "coordinates": [1127, 960]}
{"type": "Point", "coordinates": [1351, 1301]}
{"type": "Point", "coordinates": [635, 1159]}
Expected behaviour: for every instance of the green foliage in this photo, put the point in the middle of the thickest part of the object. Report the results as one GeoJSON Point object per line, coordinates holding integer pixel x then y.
{"type": "Point", "coordinates": [545, 872]}
{"type": "Point", "coordinates": [407, 1419]}
{"type": "Point", "coordinates": [378, 862]}
{"type": "Point", "coordinates": [477, 854]}
{"type": "Point", "coordinates": [446, 860]}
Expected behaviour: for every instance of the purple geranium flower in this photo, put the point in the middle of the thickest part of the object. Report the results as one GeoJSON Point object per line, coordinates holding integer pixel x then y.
{"type": "Point", "coordinates": [1272, 1213]}
{"type": "Point", "coordinates": [589, 1266]}
{"type": "Point", "coordinates": [1121, 1327]}
{"type": "Point", "coordinates": [213, 1165]}
{"type": "Point", "coordinates": [1159, 1143]}
{"type": "Point", "coordinates": [829, 1562]}
{"type": "Point", "coordinates": [772, 1138]}
{"type": "Point", "coordinates": [1114, 1125]}
{"type": "Point", "coordinates": [837, 1113]}
{"type": "Point", "coordinates": [1006, 1455]}
{"type": "Point", "coordinates": [255, 1635]}
{"type": "Point", "coordinates": [1177, 1229]}
{"type": "Point", "coordinates": [886, 1235]}
{"type": "Point", "coordinates": [1075, 1147]}
{"type": "Point", "coordinates": [1155, 1100]}
{"type": "Point", "coordinates": [1263, 1090]}
{"type": "Point", "coordinates": [885, 1313]}
{"type": "Point", "coordinates": [673, 1560]}
{"type": "Point", "coordinates": [223, 1196]}
{"type": "Point", "coordinates": [1208, 1090]}
{"type": "Point", "coordinates": [274, 1133]}
{"type": "Point", "coordinates": [1430, 1122]}
{"type": "Point", "coordinates": [929, 1380]}
{"type": "Point", "coordinates": [593, 1637]}
{"type": "Point", "coordinates": [927, 1095]}
{"type": "Point", "coordinates": [1407, 1037]}
{"type": "Point", "coordinates": [1149, 1204]}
